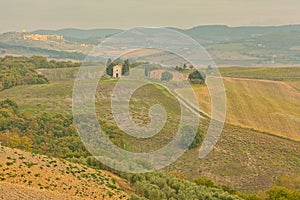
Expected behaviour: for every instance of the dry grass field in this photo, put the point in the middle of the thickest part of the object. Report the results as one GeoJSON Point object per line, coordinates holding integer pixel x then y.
{"type": "Point", "coordinates": [9, 191]}
{"type": "Point", "coordinates": [31, 176]}
{"type": "Point", "coordinates": [267, 106]}
{"type": "Point", "coordinates": [244, 159]}
{"type": "Point", "coordinates": [264, 105]}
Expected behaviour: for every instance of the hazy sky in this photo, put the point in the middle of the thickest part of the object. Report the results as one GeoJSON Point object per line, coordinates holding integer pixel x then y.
{"type": "Point", "coordinates": [88, 14]}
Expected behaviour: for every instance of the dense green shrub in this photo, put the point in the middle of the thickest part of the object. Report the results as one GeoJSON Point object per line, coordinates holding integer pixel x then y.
{"type": "Point", "coordinates": [281, 193]}
{"type": "Point", "coordinates": [197, 77]}
{"type": "Point", "coordinates": [54, 135]}
{"type": "Point", "coordinates": [187, 137]}
{"type": "Point", "coordinates": [158, 185]}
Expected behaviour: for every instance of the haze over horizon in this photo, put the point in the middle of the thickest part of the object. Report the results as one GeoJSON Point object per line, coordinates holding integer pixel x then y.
{"type": "Point", "coordinates": [32, 15]}
{"type": "Point", "coordinates": [185, 28]}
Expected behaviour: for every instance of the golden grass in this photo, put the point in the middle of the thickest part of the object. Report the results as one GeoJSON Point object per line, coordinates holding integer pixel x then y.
{"type": "Point", "coordinates": [267, 106]}
{"type": "Point", "coordinates": [42, 174]}
{"type": "Point", "coordinates": [10, 191]}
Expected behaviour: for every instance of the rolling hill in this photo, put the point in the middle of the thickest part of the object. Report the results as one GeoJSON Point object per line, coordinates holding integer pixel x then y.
{"type": "Point", "coordinates": [255, 100]}
{"type": "Point", "coordinates": [221, 33]}
{"type": "Point", "coordinates": [244, 158]}
{"type": "Point", "coordinates": [18, 50]}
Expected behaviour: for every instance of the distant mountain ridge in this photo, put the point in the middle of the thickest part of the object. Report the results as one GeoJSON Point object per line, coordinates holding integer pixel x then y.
{"type": "Point", "coordinates": [209, 32]}
{"type": "Point", "coordinates": [245, 45]}
{"type": "Point", "coordinates": [226, 33]}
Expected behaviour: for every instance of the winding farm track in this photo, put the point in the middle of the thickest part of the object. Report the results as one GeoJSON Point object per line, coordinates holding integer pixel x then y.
{"type": "Point", "coordinates": [194, 109]}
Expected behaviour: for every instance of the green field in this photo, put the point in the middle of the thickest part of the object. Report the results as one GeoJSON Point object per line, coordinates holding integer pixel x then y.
{"type": "Point", "coordinates": [50, 98]}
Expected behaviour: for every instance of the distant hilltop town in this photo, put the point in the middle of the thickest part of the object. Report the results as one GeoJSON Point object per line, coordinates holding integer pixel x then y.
{"type": "Point", "coordinates": [39, 37]}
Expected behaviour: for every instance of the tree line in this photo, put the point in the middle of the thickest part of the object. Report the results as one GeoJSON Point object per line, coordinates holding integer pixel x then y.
{"type": "Point", "coordinates": [15, 71]}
